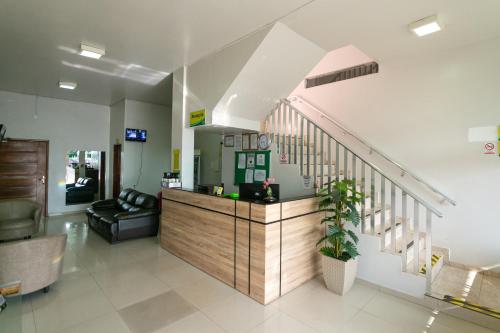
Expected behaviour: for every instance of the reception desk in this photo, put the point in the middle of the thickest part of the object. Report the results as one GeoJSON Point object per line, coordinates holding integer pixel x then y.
{"type": "Point", "coordinates": [262, 250]}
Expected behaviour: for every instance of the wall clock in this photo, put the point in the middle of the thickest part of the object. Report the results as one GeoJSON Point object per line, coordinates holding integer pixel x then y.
{"type": "Point", "coordinates": [264, 142]}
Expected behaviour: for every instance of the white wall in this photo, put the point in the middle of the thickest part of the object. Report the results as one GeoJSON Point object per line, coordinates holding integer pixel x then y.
{"type": "Point", "coordinates": [278, 64]}
{"type": "Point", "coordinates": [239, 85]}
{"type": "Point", "coordinates": [418, 110]}
{"type": "Point", "coordinates": [182, 136]}
{"type": "Point", "coordinates": [67, 125]}
{"type": "Point", "coordinates": [156, 119]}
{"type": "Point", "coordinates": [210, 77]}
{"type": "Point", "coordinates": [209, 146]}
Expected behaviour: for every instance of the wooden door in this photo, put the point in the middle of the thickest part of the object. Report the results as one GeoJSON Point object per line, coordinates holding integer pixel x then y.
{"type": "Point", "coordinates": [23, 170]}
{"type": "Point", "coordinates": [117, 167]}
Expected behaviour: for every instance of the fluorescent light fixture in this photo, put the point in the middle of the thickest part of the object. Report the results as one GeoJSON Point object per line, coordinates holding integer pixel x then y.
{"type": "Point", "coordinates": [425, 26]}
{"type": "Point", "coordinates": [67, 85]}
{"type": "Point", "coordinates": [91, 51]}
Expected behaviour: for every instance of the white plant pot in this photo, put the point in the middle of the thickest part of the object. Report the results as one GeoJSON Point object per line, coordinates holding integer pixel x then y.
{"type": "Point", "coordinates": [339, 275]}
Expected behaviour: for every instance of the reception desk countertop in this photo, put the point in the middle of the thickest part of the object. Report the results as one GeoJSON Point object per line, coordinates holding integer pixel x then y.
{"type": "Point", "coordinates": [258, 202]}
{"type": "Point", "coordinates": [263, 250]}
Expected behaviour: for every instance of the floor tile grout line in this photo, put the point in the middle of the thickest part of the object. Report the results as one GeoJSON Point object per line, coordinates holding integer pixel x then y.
{"type": "Point", "coordinates": [212, 321]}
{"type": "Point", "coordinates": [362, 309]}
{"type": "Point", "coordinates": [104, 293]}
{"type": "Point", "coordinates": [33, 314]}
{"type": "Point", "coordinates": [279, 312]}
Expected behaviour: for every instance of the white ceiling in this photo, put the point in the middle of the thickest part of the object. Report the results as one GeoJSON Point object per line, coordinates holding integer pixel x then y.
{"type": "Point", "coordinates": [380, 27]}
{"type": "Point", "coordinates": [144, 40]}
{"type": "Point", "coordinates": [147, 39]}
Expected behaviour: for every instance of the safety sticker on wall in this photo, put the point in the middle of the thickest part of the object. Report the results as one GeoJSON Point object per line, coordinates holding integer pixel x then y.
{"type": "Point", "coordinates": [489, 148]}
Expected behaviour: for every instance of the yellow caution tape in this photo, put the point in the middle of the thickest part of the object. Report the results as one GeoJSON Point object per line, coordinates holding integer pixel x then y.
{"type": "Point", "coordinates": [434, 259]}
{"type": "Point", "coordinates": [470, 306]}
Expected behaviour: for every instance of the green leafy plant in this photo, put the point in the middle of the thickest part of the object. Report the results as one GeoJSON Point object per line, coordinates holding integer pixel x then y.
{"type": "Point", "coordinates": [339, 204]}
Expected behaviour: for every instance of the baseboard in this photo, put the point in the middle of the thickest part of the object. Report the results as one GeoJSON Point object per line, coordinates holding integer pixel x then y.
{"type": "Point", "coordinates": [73, 212]}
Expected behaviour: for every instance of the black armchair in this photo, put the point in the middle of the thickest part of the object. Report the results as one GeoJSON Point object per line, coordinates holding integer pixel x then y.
{"type": "Point", "coordinates": [132, 215]}
{"type": "Point", "coordinates": [82, 191]}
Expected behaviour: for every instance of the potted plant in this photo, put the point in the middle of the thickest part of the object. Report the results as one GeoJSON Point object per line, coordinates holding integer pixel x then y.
{"type": "Point", "coordinates": [339, 243]}
{"type": "Point", "coordinates": [266, 185]}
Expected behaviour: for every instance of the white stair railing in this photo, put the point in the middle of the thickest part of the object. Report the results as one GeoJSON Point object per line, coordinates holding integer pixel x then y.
{"type": "Point", "coordinates": [404, 171]}
{"type": "Point", "coordinates": [390, 210]}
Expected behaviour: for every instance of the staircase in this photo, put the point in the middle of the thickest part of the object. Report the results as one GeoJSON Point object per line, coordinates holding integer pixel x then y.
{"type": "Point", "coordinates": [399, 218]}
{"type": "Point", "coordinates": [394, 220]}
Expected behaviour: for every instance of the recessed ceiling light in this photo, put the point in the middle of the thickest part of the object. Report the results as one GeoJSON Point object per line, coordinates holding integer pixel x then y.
{"type": "Point", "coordinates": [425, 26]}
{"type": "Point", "coordinates": [67, 85]}
{"type": "Point", "coordinates": [91, 51]}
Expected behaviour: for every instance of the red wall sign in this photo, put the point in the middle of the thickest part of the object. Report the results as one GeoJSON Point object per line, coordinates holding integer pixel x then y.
{"type": "Point", "coordinates": [489, 148]}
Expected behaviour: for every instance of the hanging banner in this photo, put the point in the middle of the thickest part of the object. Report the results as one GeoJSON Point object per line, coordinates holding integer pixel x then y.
{"type": "Point", "coordinates": [177, 160]}
{"type": "Point", "coordinates": [197, 118]}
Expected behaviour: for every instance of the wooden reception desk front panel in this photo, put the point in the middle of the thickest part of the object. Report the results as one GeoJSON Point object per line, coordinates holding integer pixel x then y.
{"type": "Point", "coordinates": [264, 251]}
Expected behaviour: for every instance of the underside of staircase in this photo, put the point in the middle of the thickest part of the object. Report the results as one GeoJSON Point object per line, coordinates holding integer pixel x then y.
{"type": "Point", "coordinates": [396, 245]}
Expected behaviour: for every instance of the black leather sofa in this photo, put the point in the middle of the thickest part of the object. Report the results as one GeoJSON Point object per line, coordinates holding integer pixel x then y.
{"type": "Point", "coordinates": [132, 215]}
{"type": "Point", "coordinates": [82, 191]}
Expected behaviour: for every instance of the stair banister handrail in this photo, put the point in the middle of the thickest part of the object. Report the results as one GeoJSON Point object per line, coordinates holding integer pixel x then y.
{"type": "Point", "coordinates": [372, 165]}
{"type": "Point", "coordinates": [403, 169]}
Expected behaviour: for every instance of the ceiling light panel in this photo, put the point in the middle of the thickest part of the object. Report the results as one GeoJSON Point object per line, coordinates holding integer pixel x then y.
{"type": "Point", "coordinates": [91, 51]}
{"type": "Point", "coordinates": [67, 85]}
{"type": "Point", "coordinates": [425, 26]}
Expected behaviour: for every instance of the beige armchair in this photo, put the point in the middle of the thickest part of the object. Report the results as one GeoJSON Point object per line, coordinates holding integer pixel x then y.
{"type": "Point", "coordinates": [36, 263]}
{"type": "Point", "coordinates": [19, 218]}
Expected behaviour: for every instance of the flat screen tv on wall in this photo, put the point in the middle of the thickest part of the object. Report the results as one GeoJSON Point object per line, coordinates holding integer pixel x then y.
{"type": "Point", "coordinates": [133, 134]}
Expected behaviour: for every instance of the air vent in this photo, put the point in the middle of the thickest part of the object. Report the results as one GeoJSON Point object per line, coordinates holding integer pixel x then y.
{"type": "Point", "coordinates": [343, 74]}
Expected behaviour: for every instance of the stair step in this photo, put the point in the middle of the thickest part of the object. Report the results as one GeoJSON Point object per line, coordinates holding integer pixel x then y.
{"type": "Point", "coordinates": [388, 229]}
{"type": "Point", "coordinates": [377, 210]}
{"type": "Point", "coordinates": [437, 263]}
{"type": "Point", "coordinates": [409, 245]}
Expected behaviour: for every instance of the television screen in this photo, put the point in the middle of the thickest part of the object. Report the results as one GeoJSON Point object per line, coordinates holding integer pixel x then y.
{"type": "Point", "coordinates": [132, 134]}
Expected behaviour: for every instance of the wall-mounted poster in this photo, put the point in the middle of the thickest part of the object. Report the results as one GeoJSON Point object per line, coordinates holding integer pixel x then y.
{"type": "Point", "coordinates": [251, 161]}
{"type": "Point", "coordinates": [260, 175]}
{"type": "Point", "coordinates": [307, 182]}
{"type": "Point", "coordinates": [249, 176]}
{"type": "Point", "coordinates": [228, 140]}
{"type": "Point", "coordinates": [254, 141]}
{"type": "Point", "coordinates": [237, 142]}
{"type": "Point", "coordinates": [245, 141]}
{"type": "Point", "coordinates": [261, 159]}
{"type": "Point", "coordinates": [242, 161]}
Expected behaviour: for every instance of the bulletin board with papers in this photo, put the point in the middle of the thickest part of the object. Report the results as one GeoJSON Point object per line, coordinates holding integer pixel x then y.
{"type": "Point", "coordinates": [251, 166]}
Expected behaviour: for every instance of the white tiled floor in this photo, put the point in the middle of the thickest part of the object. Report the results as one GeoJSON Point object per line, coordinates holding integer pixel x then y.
{"type": "Point", "coordinates": [102, 283]}
{"type": "Point", "coordinates": [470, 285]}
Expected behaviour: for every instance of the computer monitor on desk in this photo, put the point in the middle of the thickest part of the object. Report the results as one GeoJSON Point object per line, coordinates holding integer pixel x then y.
{"type": "Point", "coordinates": [257, 192]}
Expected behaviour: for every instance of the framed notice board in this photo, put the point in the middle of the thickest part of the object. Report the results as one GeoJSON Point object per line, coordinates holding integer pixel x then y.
{"type": "Point", "coordinates": [251, 166]}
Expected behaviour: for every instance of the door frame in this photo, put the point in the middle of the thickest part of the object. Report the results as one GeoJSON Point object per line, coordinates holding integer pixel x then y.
{"type": "Point", "coordinates": [117, 166]}
{"type": "Point", "coordinates": [102, 175]}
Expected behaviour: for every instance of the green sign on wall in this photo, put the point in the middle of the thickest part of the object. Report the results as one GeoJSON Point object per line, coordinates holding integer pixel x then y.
{"type": "Point", "coordinates": [197, 118]}
{"type": "Point", "coordinates": [251, 166]}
